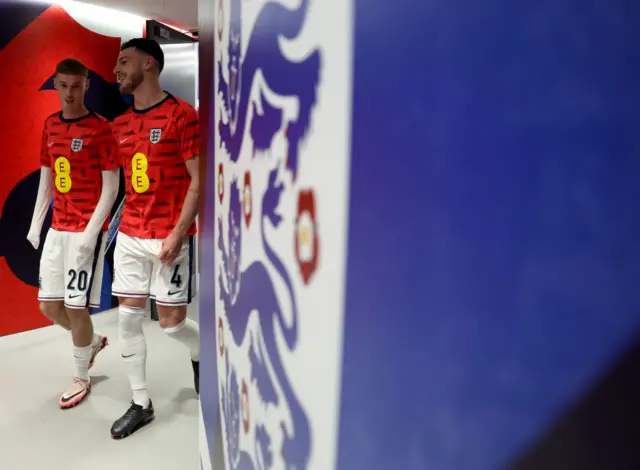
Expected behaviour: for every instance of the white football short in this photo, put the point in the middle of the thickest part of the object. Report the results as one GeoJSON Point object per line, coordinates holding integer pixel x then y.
{"type": "Point", "coordinates": [67, 274]}
{"type": "Point", "coordinates": [139, 273]}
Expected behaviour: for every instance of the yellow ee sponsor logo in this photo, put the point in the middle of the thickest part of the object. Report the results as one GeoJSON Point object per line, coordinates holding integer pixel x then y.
{"type": "Point", "coordinates": [63, 175]}
{"type": "Point", "coordinates": [139, 177]}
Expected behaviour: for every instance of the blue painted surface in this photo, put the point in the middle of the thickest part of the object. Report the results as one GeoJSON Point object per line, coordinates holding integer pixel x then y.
{"type": "Point", "coordinates": [493, 250]}
{"type": "Point", "coordinates": [105, 295]}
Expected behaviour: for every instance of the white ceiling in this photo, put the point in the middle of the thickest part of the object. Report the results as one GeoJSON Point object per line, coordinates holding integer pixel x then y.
{"type": "Point", "coordinates": [183, 14]}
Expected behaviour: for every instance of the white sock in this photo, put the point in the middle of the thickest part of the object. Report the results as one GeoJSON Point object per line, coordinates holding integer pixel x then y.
{"type": "Point", "coordinates": [134, 352]}
{"type": "Point", "coordinates": [81, 357]}
{"type": "Point", "coordinates": [141, 397]}
{"type": "Point", "coordinates": [188, 333]}
{"type": "Point", "coordinates": [96, 338]}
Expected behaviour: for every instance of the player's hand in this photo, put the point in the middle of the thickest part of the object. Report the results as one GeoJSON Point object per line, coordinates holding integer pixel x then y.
{"type": "Point", "coordinates": [34, 239]}
{"type": "Point", "coordinates": [171, 247]}
{"type": "Point", "coordinates": [87, 243]}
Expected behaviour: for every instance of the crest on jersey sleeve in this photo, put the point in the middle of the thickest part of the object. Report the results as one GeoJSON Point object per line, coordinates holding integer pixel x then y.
{"type": "Point", "coordinates": [155, 135]}
{"type": "Point", "coordinates": [76, 145]}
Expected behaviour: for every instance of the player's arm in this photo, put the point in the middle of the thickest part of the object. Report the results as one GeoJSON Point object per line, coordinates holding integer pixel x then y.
{"type": "Point", "coordinates": [110, 185]}
{"type": "Point", "coordinates": [171, 245]}
{"type": "Point", "coordinates": [190, 149]}
{"type": "Point", "coordinates": [45, 193]}
{"type": "Point", "coordinates": [110, 166]}
{"type": "Point", "coordinates": [190, 207]}
{"type": "Point", "coordinates": [43, 201]}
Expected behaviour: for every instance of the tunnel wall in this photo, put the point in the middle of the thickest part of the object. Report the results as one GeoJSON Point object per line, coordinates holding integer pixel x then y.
{"type": "Point", "coordinates": [465, 294]}
{"type": "Point", "coordinates": [35, 37]}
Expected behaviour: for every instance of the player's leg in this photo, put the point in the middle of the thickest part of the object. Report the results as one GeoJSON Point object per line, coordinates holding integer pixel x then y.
{"type": "Point", "coordinates": [54, 310]}
{"type": "Point", "coordinates": [133, 269]}
{"type": "Point", "coordinates": [51, 280]}
{"type": "Point", "coordinates": [100, 341]}
{"type": "Point", "coordinates": [84, 290]}
{"type": "Point", "coordinates": [83, 276]}
{"type": "Point", "coordinates": [173, 289]}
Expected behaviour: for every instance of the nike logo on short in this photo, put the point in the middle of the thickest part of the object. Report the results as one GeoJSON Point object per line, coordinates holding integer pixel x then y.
{"type": "Point", "coordinates": [126, 357]}
{"type": "Point", "coordinates": [174, 293]}
{"type": "Point", "coordinates": [50, 144]}
{"type": "Point", "coordinates": [124, 140]}
{"type": "Point", "coordinates": [75, 296]}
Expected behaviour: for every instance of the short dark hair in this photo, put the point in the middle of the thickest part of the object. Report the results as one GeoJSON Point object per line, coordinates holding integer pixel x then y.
{"type": "Point", "coordinates": [72, 67]}
{"type": "Point", "coordinates": [148, 46]}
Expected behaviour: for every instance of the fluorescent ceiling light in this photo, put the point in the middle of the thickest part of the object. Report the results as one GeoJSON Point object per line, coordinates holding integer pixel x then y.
{"type": "Point", "coordinates": [104, 13]}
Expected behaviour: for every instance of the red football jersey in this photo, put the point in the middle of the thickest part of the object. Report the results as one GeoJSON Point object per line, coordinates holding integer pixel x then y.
{"type": "Point", "coordinates": [77, 151]}
{"type": "Point", "coordinates": [154, 145]}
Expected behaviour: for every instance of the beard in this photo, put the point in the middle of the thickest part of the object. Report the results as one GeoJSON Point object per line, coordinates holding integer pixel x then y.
{"type": "Point", "coordinates": [131, 82]}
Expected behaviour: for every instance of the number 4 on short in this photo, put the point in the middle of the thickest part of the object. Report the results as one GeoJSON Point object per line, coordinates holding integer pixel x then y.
{"type": "Point", "coordinates": [176, 278]}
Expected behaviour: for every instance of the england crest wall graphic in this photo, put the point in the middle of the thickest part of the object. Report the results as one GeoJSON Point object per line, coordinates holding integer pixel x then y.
{"type": "Point", "coordinates": [282, 149]}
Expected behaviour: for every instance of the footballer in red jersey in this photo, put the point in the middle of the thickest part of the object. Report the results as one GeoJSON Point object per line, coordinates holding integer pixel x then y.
{"type": "Point", "coordinates": [159, 148]}
{"type": "Point", "coordinates": [78, 150]}
{"type": "Point", "coordinates": [79, 168]}
{"type": "Point", "coordinates": [155, 143]}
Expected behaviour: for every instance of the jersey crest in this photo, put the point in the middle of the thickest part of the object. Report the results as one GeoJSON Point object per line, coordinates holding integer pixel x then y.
{"type": "Point", "coordinates": [155, 135]}
{"type": "Point", "coordinates": [76, 144]}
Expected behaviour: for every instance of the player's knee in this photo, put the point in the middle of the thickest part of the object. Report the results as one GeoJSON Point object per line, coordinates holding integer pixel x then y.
{"type": "Point", "coordinates": [51, 310]}
{"type": "Point", "coordinates": [45, 308]}
{"type": "Point", "coordinates": [130, 320]}
{"type": "Point", "coordinates": [170, 317]}
{"type": "Point", "coordinates": [132, 302]}
{"type": "Point", "coordinates": [77, 313]}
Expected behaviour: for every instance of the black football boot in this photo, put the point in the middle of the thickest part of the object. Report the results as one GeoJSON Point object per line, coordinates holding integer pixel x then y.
{"type": "Point", "coordinates": [135, 418]}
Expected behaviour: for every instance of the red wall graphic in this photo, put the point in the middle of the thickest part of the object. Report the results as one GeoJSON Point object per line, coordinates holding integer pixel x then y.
{"type": "Point", "coordinates": [28, 61]}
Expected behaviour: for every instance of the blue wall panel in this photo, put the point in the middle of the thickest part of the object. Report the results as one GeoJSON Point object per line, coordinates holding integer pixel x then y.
{"type": "Point", "coordinates": [493, 248]}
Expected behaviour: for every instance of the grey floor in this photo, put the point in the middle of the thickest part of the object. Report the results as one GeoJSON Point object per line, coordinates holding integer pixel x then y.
{"type": "Point", "coordinates": [36, 366]}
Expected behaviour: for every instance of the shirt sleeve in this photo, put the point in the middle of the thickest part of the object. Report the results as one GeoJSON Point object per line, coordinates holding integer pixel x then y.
{"type": "Point", "coordinates": [44, 148]}
{"type": "Point", "coordinates": [189, 130]}
{"type": "Point", "coordinates": [108, 151]}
